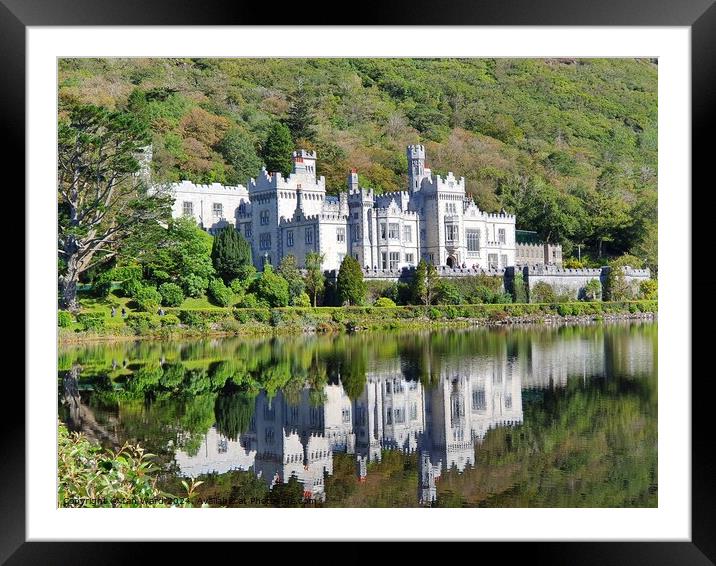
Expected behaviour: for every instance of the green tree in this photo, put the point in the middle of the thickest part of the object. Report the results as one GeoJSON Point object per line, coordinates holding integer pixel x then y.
{"type": "Point", "coordinates": [288, 269]}
{"type": "Point", "coordinates": [425, 283]}
{"type": "Point", "coordinates": [271, 288]}
{"type": "Point", "coordinates": [229, 253]}
{"type": "Point", "coordinates": [182, 255]}
{"type": "Point", "coordinates": [300, 116]}
{"type": "Point", "coordinates": [315, 282]}
{"type": "Point", "coordinates": [277, 149]}
{"type": "Point", "coordinates": [102, 200]}
{"type": "Point", "coordinates": [239, 152]}
{"type": "Point", "coordinates": [350, 285]}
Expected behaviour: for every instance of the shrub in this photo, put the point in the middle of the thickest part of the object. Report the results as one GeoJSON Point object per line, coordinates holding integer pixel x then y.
{"type": "Point", "coordinates": [498, 316]}
{"type": "Point", "coordinates": [450, 311]}
{"type": "Point", "coordinates": [302, 300]}
{"type": "Point", "coordinates": [262, 315]}
{"type": "Point", "coordinates": [219, 294]}
{"type": "Point", "coordinates": [241, 315]}
{"type": "Point", "coordinates": [384, 302]}
{"type": "Point", "coordinates": [125, 476]}
{"type": "Point", "coordinates": [172, 295]}
{"type": "Point", "coordinates": [170, 320]}
{"type": "Point", "coordinates": [542, 293]}
{"type": "Point", "coordinates": [276, 317]}
{"type": "Point", "coordinates": [91, 321]}
{"type": "Point", "coordinates": [249, 301]}
{"type": "Point", "coordinates": [148, 299]}
{"type": "Point", "coordinates": [593, 290]}
{"type": "Point", "coordinates": [434, 313]}
{"type": "Point", "coordinates": [271, 288]}
{"type": "Point", "coordinates": [448, 294]}
{"type": "Point", "coordinates": [648, 289]}
{"type": "Point", "coordinates": [194, 285]}
{"type": "Point", "coordinates": [131, 287]}
{"type": "Point", "coordinates": [103, 284]}
{"type": "Point", "coordinates": [141, 322]}
{"type": "Point", "coordinates": [519, 289]}
{"type": "Point", "coordinates": [564, 309]}
{"type": "Point", "coordinates": [191, 318]}
{"type": "Point", "coordinates": [64, 319]}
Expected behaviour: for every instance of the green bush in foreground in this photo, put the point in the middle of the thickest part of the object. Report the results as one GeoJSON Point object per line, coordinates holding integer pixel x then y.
{"type": "Point", "coordinates": [89, 476]}
{"type": "Point", "coordinates": [219, 294]}
{"type": "Point", "coordinates": [91, 321]}
{"type": "Point", "coordinates": [172, 294]}
{"type": "Point", "coordinates": [148, 299]}
{"type": "Point", "coordinates": [64, 319]}
{"type": "Point", "coordinates": [384, 302]}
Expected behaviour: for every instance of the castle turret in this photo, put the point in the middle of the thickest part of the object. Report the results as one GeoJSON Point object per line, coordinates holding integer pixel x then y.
{"type": "Point", "coordinates": [304, 163]}
{"type": "Point", "coordinates": [353, 180]}
{"type": "Point", "coordinates": [416, 166]}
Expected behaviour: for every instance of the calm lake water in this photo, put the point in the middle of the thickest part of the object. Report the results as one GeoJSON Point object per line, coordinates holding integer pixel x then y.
{"type": "Point", "coordinates": [515, 417]}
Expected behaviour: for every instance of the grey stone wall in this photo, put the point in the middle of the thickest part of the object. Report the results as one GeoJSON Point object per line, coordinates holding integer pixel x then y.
{"type": "Point", "coordinates": [572, 282]}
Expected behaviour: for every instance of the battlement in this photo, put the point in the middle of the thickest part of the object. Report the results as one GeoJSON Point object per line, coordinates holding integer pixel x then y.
{"type": "Point", "coordinates": [449, 181]}
{"type": "Point", "coordinates": [562, 271]}
{"type": "Point", "coordinates": [215, 188]}
{"type": "Point", "coordinates": [357, 195]}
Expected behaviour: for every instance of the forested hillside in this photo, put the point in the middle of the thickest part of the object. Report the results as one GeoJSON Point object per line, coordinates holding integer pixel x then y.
{"type": "Point", "coordinates": [570, 146]}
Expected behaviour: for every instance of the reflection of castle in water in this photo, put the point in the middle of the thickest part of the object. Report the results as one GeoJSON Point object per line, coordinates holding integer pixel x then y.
{"type": "Point", "coordinates": [441, 423]}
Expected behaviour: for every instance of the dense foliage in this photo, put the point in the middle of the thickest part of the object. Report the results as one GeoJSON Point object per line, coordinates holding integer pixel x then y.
{"type": "Point", "coordinates": [569, 145]}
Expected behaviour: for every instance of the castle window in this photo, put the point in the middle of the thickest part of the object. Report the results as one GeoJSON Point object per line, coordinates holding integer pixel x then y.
{"type": "Point", "coordinates": [473, 240]}
{"type": "Point", "coordinates": [451, 232]}
{"type": "Point", "coordinates": [408, 233]}
{"type": "Point", "coordinates": [265, 241]}
{"type": "Point", "coordinates": [264, 216]}
{"type": "Point", "coordinates": [508, 401]}
{"type": "Point", "coordinates": [247, 230]}
{"type": "Point", "coordinates": [503, 259]}
{"type": "Point", "coordinates": [289, 238]}
{"type": "Point", "coordinates": [394, 231]}
{"type": "Point", "coordinates": [394, 260]}
{"type": "Point", "coordinates": [384, 258]}
{"type": "Point", "coordinates": [389, 416]}
{"type": "Point", "coordinates": [187, 208]}
{"type": "Point", "coordinates": [414, 412]}
{"type": "Point", "coordinates": [502, 236]}
{"type": "Point", "coordinates": [410, 259]}
{"type": "Point", "coordinates": [478, 400]}
{"type": "Point", "coordinates": [218, 210]}
{"type": "Point", "coordinates": [492, 261]}
{"type": "Point", "coordinates": [309, 235]}
{"type": "Point", "coordinates": [356, 233]}
{"type": "Point", "coordinates": [346, 415]}
{"type": "Point", "coordinates": [451, 208]}
{"type": "Point", "coordinates": [383, 231]}
{"type": "Point", "coordinates": [340, 234]}
{"type": "Point", "coordinates": [399, 415]}
{"type": "Point", "coordinates": [269, 436]}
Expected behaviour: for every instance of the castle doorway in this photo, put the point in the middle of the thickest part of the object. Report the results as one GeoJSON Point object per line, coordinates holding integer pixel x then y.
{"type": "Point", "coordinates": [451, 261]}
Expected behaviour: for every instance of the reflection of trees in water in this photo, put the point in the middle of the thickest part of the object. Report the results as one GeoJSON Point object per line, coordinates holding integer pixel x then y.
{"type": "Point", "coordinates": [233, 411]}
{"type": "Point", "coordinates": [167, 395]}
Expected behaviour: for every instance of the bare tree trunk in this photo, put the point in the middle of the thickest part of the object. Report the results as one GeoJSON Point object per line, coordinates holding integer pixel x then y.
{"type": "Point", "coordinates": [68, 283]}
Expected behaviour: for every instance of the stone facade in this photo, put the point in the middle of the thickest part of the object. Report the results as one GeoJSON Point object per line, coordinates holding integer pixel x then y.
{"type": "Point", "coordinates": [433, 219]}
{"type": "Point", "coordinates": [531, 254]}
{"type": "Point", "coordinates": [572, 282]}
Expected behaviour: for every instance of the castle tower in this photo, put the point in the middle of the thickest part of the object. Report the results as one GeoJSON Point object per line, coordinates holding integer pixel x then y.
{"type": "Point", "coordinates": [304, 163]}
{"type": "Point", "coordinates": [353, 180]}
{"type": "Point", "coordinates": [416, 166]}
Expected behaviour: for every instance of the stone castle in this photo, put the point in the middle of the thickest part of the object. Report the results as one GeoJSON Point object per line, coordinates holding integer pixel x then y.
{"type": "Point", "coordinates": [432, 219]}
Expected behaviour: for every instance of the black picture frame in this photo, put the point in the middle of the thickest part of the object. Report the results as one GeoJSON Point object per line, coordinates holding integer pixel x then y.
{"type": "Point", "coordinates": [699, 15]}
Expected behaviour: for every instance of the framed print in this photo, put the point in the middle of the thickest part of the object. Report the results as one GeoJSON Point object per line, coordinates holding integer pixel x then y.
{"type": "Point", "coordinates": [370, 273]}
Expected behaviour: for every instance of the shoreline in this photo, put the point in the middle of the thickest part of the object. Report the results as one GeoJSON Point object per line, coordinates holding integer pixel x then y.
{"type": "Point", "coordinates": [368, 324]}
